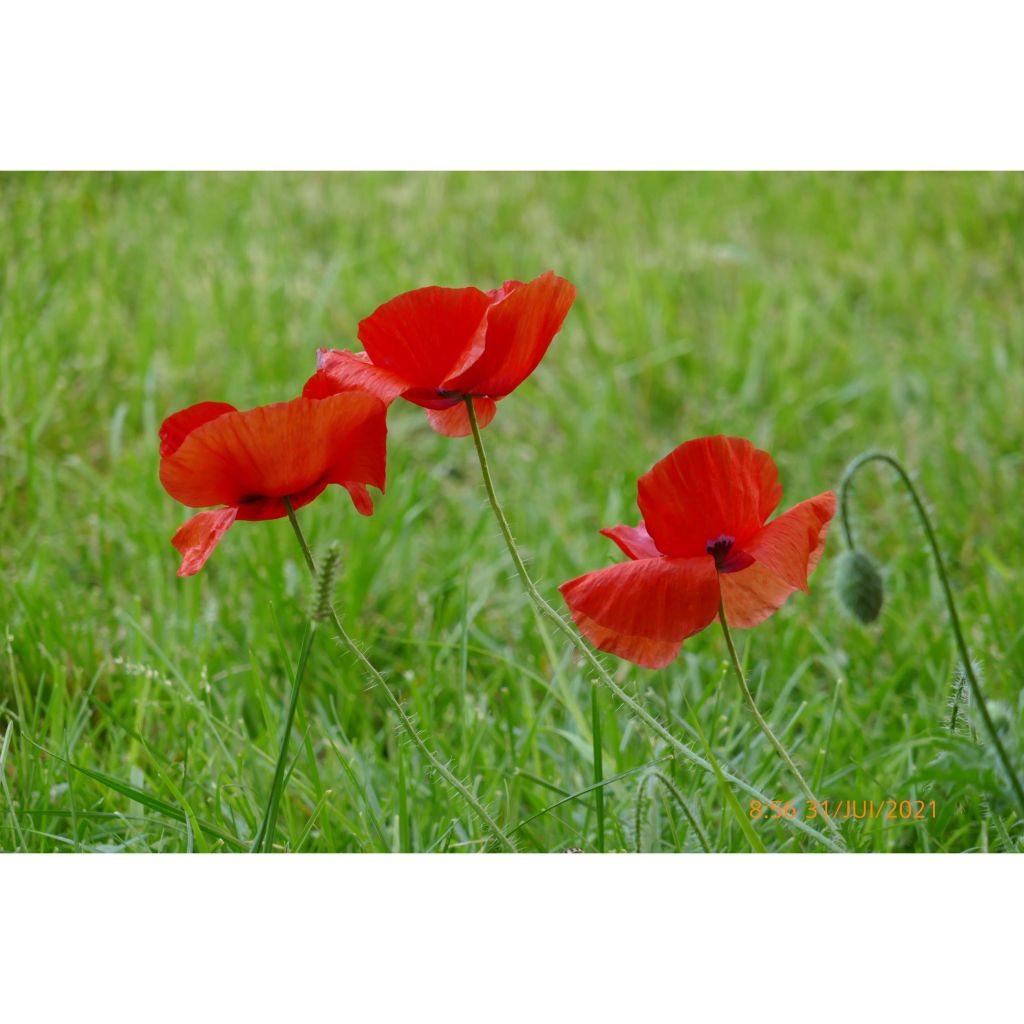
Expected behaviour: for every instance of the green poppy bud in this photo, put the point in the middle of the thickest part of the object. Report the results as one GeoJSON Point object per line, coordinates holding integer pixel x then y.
{"type": "Point", "coordinates": [859, 585]}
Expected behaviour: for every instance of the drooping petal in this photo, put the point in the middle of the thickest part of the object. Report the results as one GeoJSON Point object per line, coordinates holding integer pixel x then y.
{"type": "Point", "coordinates": [360, 498]}
{"type": "Point", "coordinates": [520, 327]}
{"type": "Point", "coordinates": [705, 489]}
{"type": "Point", "coordinates": [427, 335]}
{"type": "Point", "coordinates": [283, 450]}
{"type": "Point", "coordinates": [635, 541]}
{"type": "Point", "coordinates": [176, 428]}
{"type": "Point", "coordinates": [657, 600]}
{"type": "Point", "coordinates": [339, 370]}
{"type": "Point", "coordinates": [197, 538]}
{"type": "Point", "coordinates": [454, 421]}
{"type": "Point", "coordinates": [791, 545]}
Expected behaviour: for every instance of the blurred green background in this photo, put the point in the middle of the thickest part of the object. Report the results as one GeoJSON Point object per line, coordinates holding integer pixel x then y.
{"type": "Point", "coordinates": [816, 314]}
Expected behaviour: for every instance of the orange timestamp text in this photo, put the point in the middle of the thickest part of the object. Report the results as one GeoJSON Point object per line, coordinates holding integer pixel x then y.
{"type": "Point", "coordinates": [888, 810]}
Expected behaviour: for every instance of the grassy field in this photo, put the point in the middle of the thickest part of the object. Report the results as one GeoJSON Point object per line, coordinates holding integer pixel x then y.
{"type": "Point", "coordinates": [817, 315]}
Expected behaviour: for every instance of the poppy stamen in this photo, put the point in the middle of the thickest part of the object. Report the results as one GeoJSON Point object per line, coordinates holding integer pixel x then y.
{"type": "Point", "coordinates": [719, 548]}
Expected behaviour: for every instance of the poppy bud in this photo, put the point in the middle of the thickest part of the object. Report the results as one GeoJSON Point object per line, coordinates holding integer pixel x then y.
{"type": "Point", "coordinates": [859, 586]}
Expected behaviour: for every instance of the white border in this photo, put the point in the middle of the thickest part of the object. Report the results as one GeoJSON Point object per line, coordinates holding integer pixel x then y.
{"type": "Point", "coordinates": [524, 85]}
{"type": "Point", "coordinates": [566, 937]}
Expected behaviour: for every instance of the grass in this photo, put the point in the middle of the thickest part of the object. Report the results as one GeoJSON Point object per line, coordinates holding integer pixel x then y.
{"type": "Point", "coordinates": [818, 315]}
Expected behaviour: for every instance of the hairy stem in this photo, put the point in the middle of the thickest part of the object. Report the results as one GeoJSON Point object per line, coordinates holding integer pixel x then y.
{"type": "Point", "coordinates": [581, 645]}
{"type": "Point", "coordinates": [947, 590]}
{"type": "Point", "coordinates": [766, 728]}
{"type": "Point", "coordinates": [396, 705]}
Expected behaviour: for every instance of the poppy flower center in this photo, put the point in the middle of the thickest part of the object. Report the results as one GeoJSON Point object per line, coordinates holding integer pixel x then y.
{"type": "Point", "coordinates": [719, 549]}
{"type": "Point", "coordinates": [727, 560]}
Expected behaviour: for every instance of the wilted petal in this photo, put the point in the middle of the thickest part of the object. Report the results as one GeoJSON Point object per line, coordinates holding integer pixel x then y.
{"type": "Point", "coordinates": [197, 538]}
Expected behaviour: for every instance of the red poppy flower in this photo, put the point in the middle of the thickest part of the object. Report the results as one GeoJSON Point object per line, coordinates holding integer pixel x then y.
{"type": "Point", "coordinates": [437, 346]}
{"type": "Point", "coordinates": [704, 538]}
{"type": "Point", "coordinates": [212, 454]}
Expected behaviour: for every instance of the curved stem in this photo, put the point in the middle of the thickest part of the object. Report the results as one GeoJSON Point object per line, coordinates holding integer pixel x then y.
{"type": "Point", "coordinates": [396, 705]}
{"type": "Point", "coordinates": [766, 728]}
{"type": "Point", "coordinates": [581, 645]}
{"type": "Point", "coordinates": [954, 618]}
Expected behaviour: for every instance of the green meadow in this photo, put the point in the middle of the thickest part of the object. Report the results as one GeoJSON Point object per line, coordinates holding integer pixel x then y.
{"type": "Point", "coordinates": [818, 315]}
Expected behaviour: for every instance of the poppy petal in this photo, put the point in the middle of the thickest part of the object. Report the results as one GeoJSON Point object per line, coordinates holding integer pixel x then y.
{"type": "Point", "coordinates": [752, 594]}
{"type": "Point", "coordinates": [497, 294]}
{"type": "Point", "coordinates": [454, 422]}
{"type": "Point", "coordinates": [791, 545]}
{"type": "Point", "coordinates": [640, 650]}
{"type": "Point", "coordinates": [707, 488]}
{"type": "Point", "coordinates": [635, 541]}
{"type": "Point", "coordinates": [664, 600]}
{"type": "Point", "coordinates": [360, 498]}
{"type": "Point", "coordinates": [261, 509]}
{"type": "Point", "coordinates": [520, 327]}
{"type": "Point", "coordinates": [176, 428]}
{"type": "Point", "coordinates": [339, 371]}
{"type": "Point", "coordinates": [427, 335]}
{"type": "Point", "coordinates": [278, 451]}
{"type": "Point", "coordinates": [197, 538]}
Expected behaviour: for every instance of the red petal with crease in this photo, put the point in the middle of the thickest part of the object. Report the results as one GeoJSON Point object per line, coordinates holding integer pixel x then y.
{"type": "Point", "coordinates": [427, 335]}
{"type": "Point", "coordinates": [664, 600]}
{"type": "Point", "coordinates": [635, 541]}
{"type": "Point", "coordinates": [520, 327]}
{"type": "Point", "coordinates": [706, 488]}
{"type": "Point", "coordinates": [640, 650]}
{"type": "Point", "coordinates": [197, 538]}
{"type": "Point", "coordinates": [176, 428]}
{"type": "Point", "coordinates": [454, 422]}
{"type": "Point", "coordinates": [278, 451]}
{"type": "Point", "coordinates": [787, 544]}
{"type": "Point", "coordinates": [339, 370]}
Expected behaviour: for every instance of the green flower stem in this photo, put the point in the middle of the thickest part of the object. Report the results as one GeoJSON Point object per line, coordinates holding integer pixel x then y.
{"type": "Point", "coordinates": [396, 705]}
{"type": "Point", "coordinates": [265, 836]}
{"type": "Point", "coordinates": [766, 728]}
{"type": "Point", "coordinates": [954, 618]}
{"type": "Point", "coordinates": [599, 670]}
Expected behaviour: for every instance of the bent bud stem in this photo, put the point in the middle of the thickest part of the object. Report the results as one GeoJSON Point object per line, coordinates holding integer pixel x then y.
{"type": "Point", "coordinates": [396, 705]}
{"type": "Point", "coordinates": [766, 728]}
{"type": "Point", "coordinates": [599, 671]}
{"type": "Point", "coordinates": [954, 618]}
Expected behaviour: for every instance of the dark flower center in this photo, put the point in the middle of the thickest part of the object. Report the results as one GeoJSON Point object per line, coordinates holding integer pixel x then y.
{"type": "Point", "coordinates": [719, 549]}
